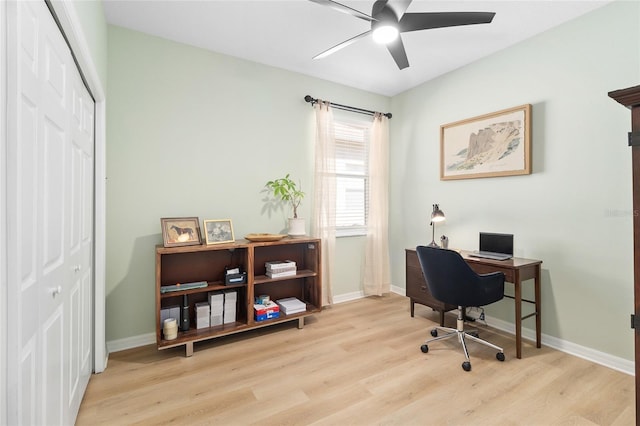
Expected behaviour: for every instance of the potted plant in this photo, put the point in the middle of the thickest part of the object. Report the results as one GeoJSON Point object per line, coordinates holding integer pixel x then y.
{"type": "Point", "coordinates": [288, 191]}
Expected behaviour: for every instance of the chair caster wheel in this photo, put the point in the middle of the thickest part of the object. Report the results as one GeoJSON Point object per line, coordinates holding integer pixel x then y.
{"type": "Point", "coordinates": [500, 356]}
{"type": "Point", "coordinates": [424, 349]}
{"type": "Point", "coordinates": [434, 332]}
{"type": "Point", "coordinates": [466, 366]}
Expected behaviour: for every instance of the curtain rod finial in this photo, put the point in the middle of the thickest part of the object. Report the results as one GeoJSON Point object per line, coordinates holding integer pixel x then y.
{"type": "Point", "coordinates": [309, 99]}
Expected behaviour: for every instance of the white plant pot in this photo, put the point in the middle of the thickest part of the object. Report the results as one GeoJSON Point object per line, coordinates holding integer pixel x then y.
{"type": "Point", "coordinates": [297, 227]}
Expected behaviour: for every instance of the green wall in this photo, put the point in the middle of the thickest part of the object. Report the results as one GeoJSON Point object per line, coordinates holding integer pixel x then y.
{"type": "Point", "coordinates": [94, 26]}
{"type": "Point", "coordinates": [574, 212]}
{"type": "Point", "coordinates": [195, 133]}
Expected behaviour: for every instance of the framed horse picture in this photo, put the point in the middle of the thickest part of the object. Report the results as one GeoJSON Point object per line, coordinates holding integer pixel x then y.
{"type": "Point", "coordinates": [180, 231]}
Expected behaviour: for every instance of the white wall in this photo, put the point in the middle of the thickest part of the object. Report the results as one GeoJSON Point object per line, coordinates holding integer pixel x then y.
{"type": "Point", "coordinates": [574, 212]}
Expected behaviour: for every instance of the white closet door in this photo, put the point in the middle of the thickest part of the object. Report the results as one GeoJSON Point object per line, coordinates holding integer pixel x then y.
{"type": "Point", "coordinates": [80, 321]}
{"type": "Point", "coordinates": [50, 221]}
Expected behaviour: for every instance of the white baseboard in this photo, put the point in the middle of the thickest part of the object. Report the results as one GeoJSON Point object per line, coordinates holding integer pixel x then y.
{"type": "Point", "coordinates": [602, 358]}
{"type": "Point", "coordinates": [398, 290]}
{"type": "Point", "coordinates": [131, 342]}
{"type": "Point", "coordinates": [360, 294]}
{"type": "Point", "coordinates": [348, 297]}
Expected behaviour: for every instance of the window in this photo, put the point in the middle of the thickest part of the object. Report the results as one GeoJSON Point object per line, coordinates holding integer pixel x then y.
{"type": "Point", "coordinates": [352, 176]}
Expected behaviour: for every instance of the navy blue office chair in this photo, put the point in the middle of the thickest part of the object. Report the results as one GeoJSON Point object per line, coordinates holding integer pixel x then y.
{"type": "Point", "coordinates": [451, 280]}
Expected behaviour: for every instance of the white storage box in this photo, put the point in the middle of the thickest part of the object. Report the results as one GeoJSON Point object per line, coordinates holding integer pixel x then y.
{"type": "Point", "coordinates": [169, 312]}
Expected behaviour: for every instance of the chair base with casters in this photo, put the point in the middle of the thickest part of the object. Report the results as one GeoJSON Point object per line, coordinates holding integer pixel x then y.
{"type": "Point", "coordinates": [462, 336]}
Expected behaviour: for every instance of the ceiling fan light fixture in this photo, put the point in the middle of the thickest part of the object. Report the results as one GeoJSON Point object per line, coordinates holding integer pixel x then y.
{"type": "Point", "coordinates": [385, 34]}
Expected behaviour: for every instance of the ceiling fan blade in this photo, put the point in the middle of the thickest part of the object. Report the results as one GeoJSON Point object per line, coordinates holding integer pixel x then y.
{"type": "Point", "coordinates": [345, 9]}
{"type": "Point", "coordinates": [341, 45]}
{"type": "Point", "coordinates": [378, 7]}
{"type": "Point", "coordinates": [428, 20]}
{"type": "Point", "coordinates": [396, 48]}
{"type": "Point", "coordinates": [399, 7]}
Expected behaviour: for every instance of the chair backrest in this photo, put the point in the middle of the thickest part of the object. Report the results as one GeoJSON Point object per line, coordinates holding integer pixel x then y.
{"type": "Point", "coordinates": [451, 280]}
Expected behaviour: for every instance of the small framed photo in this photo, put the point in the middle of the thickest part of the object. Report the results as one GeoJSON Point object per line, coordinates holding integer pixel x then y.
{"type": "Point", "coordinates": [218, 231]}
{"type": "Point", "coordinates": [180, 231]}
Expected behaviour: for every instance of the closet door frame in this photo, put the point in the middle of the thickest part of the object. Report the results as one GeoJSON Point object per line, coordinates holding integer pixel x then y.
{"type": "Point", "coordinates": [70, 23]}
{"type": "Point", "coordinates": [71, 27]}
{"type": "Point", "coordinates": [3, 213]}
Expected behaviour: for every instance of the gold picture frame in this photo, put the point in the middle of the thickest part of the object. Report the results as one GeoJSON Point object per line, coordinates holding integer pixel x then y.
{"type": "Point", "coordinates": [495, 144]}
{"type": "Point", "coordinates": [180, 231]}
{"type": "Point", "coordinates": [218, 231]}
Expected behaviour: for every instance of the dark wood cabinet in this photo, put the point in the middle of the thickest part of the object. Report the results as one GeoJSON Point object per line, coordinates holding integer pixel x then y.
{"type": "Point", "coordinates": [630, 98]}
{"type": "Point", "coordinates": [417, 290]}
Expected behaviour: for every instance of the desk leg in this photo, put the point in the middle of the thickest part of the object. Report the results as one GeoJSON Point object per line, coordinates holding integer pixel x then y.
{"type": "Point", "coordinates": [538, 309]}
{"type": "Point", "coordinates": [518, 302]}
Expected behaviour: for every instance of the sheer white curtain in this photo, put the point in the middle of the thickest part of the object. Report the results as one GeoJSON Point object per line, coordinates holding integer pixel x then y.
{"type": "Point", "coordinates": [323, 221]}
{"type": "Point", "coordinates": [377, 275]}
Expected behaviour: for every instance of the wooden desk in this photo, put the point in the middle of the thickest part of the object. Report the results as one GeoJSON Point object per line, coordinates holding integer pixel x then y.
{"type": "Point", "coordinates": [516, 270]}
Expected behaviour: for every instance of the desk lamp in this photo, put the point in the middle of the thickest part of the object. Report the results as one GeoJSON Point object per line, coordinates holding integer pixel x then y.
{"type": "Point", "coordinates": [436, 216]}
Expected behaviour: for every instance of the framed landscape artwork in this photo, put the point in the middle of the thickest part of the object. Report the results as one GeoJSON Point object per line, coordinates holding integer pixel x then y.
{"type": "Point", "coordinates": [180, 231]}
{"type": "Point", "coordinates": [218, 231]}
{"type": "Point", "coordinates": [495, 144]}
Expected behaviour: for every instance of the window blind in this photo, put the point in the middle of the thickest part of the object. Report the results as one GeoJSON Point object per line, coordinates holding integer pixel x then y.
{"type": "Point", "coordinates": [352, 148]}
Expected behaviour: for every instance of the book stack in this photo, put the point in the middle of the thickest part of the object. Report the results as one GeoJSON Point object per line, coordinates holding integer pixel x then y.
{"type": "Point", "coordinates": [280, 268]}
{"type": "Point", "coordinates": [202, 315]}
{"type": "Point", "coordinates": [291, 305]}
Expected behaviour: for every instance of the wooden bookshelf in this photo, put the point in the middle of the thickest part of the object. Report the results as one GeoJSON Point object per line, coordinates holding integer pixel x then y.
{"type": "Point", "coordinates": [209, 263]}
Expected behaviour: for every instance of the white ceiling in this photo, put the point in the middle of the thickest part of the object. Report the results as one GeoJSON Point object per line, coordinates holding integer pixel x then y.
{"type": "Point", "coordinates": [288, 33]}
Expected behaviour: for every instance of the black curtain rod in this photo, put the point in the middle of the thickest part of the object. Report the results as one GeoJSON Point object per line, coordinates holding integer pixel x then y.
{"type": "Point", "coordinates": [313, 101]}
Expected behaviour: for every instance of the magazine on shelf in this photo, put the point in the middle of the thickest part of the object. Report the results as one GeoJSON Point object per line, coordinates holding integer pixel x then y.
{"type": "Point", "coordinates": [183, 286]}
{"type": "Point", "coordinates": [281, 274]}
{"type": "Point", "coordinates": [280, 265]}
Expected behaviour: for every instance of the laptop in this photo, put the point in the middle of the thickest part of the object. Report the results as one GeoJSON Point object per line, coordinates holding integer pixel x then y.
{"type": "Point", "coordinates": [494, 246]}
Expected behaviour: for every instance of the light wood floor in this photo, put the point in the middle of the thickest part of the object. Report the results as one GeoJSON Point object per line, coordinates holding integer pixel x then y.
{"type": "Point", "coordinates": [356, 363]}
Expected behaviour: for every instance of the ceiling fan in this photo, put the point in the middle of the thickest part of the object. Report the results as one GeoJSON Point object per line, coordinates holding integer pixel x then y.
{"type": "Point", "coordinates": [388, 19]}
